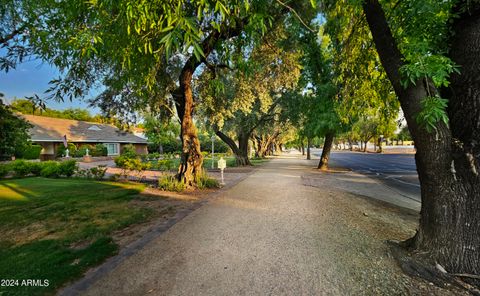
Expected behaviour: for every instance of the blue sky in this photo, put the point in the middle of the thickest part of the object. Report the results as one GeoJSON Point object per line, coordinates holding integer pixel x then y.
{"type": "Point", "coordinates": [32, 77]}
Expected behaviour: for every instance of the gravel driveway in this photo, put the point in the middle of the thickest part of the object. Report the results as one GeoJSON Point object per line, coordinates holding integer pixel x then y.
{"type": "Point", "coordinates": [272, 235]}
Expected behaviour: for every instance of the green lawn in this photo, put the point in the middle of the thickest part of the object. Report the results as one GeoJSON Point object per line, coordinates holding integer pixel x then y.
{"type": "Point", "coordinates": [55, 229]}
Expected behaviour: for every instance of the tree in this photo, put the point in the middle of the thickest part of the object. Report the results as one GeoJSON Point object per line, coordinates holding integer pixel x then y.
{"type": "Point", "coordinates": [244, 96]}
{"type": "Point", "coordinates": [313, 106]}
{"type": "Point", "coordinates": [130, 47]}
{"type": "Point", "coordinates": [14, 135]}
{"type": "Point", "coordinates": [404, 134]}
{"type": "Point", "coordinates": [160, 132]}
{"type": "Point", "coordinates": [420, 63]}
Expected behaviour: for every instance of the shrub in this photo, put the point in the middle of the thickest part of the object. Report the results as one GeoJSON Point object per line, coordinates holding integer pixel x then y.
{"type": "Point", "coordinates": [129, 151]}
{"type": "Point", "coordinates": [31, 152]}
{"type": "Point", "coordinates": [153, 156]}
{"type": "Point", "coordinates": [72, 149]}
{"type": "Point", "coordinates": [4, 170]}
{"type": "Point", "coordinates": [67, 168]}
{"type": "Point", "coordinates": [21, 168]}
{"type": "Point", "coordinates": [82, 150]}
{"type": "Point", "coordinates": [120, 161]}
{"type": "Point", "coordinates": [97, 173]}
{"type": "Point", "coordinates": [50, 169]}
{"type": "Point", "coordinates": [172, 145]}
{"type": "Point", "coordinates": [99, 150]}
{"type": "Point", "coordinates": [165, 164]}
{"type": "Point", "coordinates": [170, 183]}
{"type": "Point", "coordinates": [204, 181]}
{"type": "Point", "coordinates": [35, 168]}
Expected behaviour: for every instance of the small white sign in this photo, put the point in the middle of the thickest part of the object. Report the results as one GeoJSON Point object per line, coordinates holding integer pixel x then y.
{"type": "Point", "coordinates": [222, 163]}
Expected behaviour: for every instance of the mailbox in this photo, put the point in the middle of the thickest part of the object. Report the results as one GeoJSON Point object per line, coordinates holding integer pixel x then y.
{"type": "Point", "coordinates": [222, 163]}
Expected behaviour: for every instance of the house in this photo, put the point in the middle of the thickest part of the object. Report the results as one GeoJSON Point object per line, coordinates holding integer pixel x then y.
{"type": "Point", "coordinates": [49, 133]}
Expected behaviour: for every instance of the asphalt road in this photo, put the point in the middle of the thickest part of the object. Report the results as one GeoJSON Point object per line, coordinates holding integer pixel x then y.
{"type": "Point", "coordinates": [397, 171]}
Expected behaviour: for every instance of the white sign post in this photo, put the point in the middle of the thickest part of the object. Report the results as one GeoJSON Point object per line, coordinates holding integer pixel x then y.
{"type": "Point", "coordinates": [222, 164]}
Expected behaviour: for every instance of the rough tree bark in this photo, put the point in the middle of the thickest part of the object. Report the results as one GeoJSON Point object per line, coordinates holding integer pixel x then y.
{"type": "Point", "coordinates": [448, 158]}
{"type": "Point", "coordinates": [240, 151]}
{"type": "Point", "coordinates": [327, 147]}
{"type": "Point", "coordinates": [191, 159]}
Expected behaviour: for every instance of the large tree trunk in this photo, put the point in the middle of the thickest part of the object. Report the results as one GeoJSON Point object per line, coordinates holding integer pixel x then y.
{"type": "Point", "coordinates": [308, 149]}
{"type": "Point", "coordinates": [449, 230]}
{"type": "Point", "coordinates": [240, 151]}
{"type": "Point", "coordinates": [327, 147]}
{"type": "Point", "coordinates": [191, 159]}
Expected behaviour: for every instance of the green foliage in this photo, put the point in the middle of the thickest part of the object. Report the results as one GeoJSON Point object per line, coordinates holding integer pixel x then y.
{"type": "Point", "coordinates": [206, 145]}
{"type": "Point", "coordinates": [129, 151]}
{"type": "Point", "coordinates": [67, 168]}
{"type": "Point", "coordinates": [97, 173]}
{"type": "Point", "coordinates": [433, 111]}
{"type": "Point", "coordinates": [162, 133]}
{"type": "Point", "coordinates": [27, 107]}
{"type": "Point", "coordinates": [14, 135]}
{"type": "Point", "coordinates": [435, 67]}
{"type": "Point", "coordinates": [120, 161]}
{"type": "Point", "coordinates": [61, 150]}
{"type": "Point", "coordinates": [204, 181]}
{"type": "Point", "coordinates": [50, 169]}
{"type": "Point", "coordinates": [5, 168]}
{"type": "Point", "coordinates": [82, 150]}
{"type": "Point", "coordinates": [31, 152]}
{"type": "Point", "coordinates": [165, 164]}
{"type": "Point", "coordinates": [21, 168]}
{"type": "Point", "coordinates": [170, 183]}
{"type": "Point", "coordinates": [135, 164]}
{"type": "Point", "coordinates": [99, 150]}
{"type": "Point", "coordinates": [403, 135]}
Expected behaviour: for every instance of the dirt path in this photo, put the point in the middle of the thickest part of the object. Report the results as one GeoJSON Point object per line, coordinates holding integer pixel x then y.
{"type": "Point", "coordinates": [272, 235]}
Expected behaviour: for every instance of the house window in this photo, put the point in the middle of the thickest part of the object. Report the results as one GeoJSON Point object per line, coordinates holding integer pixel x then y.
{"type": "Point", "coordinates": [112, 148]}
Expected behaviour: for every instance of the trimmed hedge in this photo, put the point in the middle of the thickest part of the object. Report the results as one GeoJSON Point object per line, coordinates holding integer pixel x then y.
{"type": "Point", "coordinates": [48, 169]}
{"type": "Point", "coordinates": [31, 152]}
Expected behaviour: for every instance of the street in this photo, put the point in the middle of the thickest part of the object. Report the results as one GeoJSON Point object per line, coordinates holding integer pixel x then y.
{"type": "Point", "coordinates": [397, 171]}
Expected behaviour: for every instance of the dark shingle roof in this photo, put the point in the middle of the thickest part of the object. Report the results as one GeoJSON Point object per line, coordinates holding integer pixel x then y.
{"type": "Point", "coordinates": [48, 129]}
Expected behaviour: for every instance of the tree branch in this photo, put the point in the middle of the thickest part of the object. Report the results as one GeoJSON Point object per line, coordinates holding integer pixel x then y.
{"type": "Point", "coordinates": [4, 40]}
{"type": "Point", "coordinates": [296, 15]}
